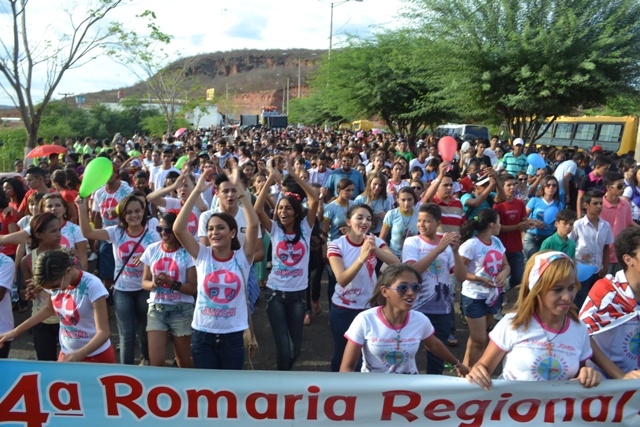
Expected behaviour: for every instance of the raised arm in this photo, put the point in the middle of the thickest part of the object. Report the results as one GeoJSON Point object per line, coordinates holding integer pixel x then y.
{"type": "Point", "coordinates": [253, 224]}
{"type": "Point", "coordinates": [180, 230]}
{"type": "Point", "coordinates": [312, 195]}
{"type": "Point", "coordinates": [428, 195]}
{"type": "Point", "coordinates": [157, 197]}
{"type": "Point", "coordinates": [262, 197]}
{"type": "Point", "coordinates": [85, 224]}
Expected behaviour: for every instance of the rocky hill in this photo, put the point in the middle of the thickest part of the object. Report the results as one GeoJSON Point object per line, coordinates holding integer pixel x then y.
{"type": "Point", "coordinates": [245, 79]}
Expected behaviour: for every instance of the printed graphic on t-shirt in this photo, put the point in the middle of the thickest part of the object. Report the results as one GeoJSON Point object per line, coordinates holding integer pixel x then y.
{"type": "Point", "coordinates": [107, 209]}
{"type": "Point", "coordinates": [631, 347]}
{"type": "Point", "coordinates": [169, 267]}
{"type": "Point", "coordinates": [221, 287]}
{"type": "Point", "coordinates": [492, 263]}
{"type": "Point", "coordinates": [66, 308]}
{"type": "Point", "coordinates": [123, 252]}
{"type": "Point", "coordinates": [290, 254]}
{"type": "Point", "coordinates": [548, 368]}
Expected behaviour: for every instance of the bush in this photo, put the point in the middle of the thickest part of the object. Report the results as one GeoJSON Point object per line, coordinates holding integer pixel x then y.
{"type": "Point", "coordinates": [14, 142]}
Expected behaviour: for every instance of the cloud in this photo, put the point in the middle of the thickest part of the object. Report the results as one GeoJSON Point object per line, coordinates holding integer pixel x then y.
{"type": "Point", "coordinates": [196, 39]}
{"type": "Point", "coordinates": [249, 28]}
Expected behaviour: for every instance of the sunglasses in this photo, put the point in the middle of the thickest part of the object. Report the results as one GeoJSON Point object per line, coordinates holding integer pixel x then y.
{"type": "Point", "coordinates": [522, 179]}
{"type": "Point", "coordinates": [418, 188]}
{"type": "Point", "coordinates": [551, 185]}
{"type": "Point", "coordinates": [619, 186]}
{"type": "Point", "coordinates": [167, 230]}
{"type": "Point", "coordinates": [403, 288]}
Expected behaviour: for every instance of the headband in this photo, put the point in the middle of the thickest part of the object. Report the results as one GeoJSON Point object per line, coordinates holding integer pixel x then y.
{"type": "Point", "coordinates": [541, 263]}
{"type": "Point", "coordinates": [294, 195]}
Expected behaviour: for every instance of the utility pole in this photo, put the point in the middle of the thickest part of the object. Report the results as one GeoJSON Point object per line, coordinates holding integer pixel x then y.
{"type": "Point", "coordinates": [66, 109]}
{"type": "Point", "coordinates": [299, 78]}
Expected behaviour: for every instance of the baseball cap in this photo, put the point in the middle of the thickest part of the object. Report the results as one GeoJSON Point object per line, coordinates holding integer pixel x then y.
{"type": "Point", "coordinates": [481, 179]}
{"type": "Point", "coordinates": [596, 148]}
{"type": "Point", "coordinates": [518, 141]}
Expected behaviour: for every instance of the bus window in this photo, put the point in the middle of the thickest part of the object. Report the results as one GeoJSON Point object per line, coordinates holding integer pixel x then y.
{"type": "Point", "coordinates": [564, 130]}
{"type": "Point", "coordinates": [610, 133]}
{"type": "Point", "coordinates": [586, 131]}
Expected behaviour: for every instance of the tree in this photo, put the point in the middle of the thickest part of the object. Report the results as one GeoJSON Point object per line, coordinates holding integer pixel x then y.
{"type": "Point", "coordinates": [531, 60]}
{"type": "Point", "coordinates": [385, 76]}
{"type": "Point", "coordinates": [145, 56]}
{"type": "Point", "coordinates": [22, 60]}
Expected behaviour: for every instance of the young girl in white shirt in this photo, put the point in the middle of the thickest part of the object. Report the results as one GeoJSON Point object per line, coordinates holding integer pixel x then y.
{"type": "Point", "coordinates": [390, 334]}
{"type": "Point", "coordinates": [290, 233]}
{"type": "Point", "coordinates": [221, 313]}
{"type": "Point", "coordinates": [353, 259]}
{"type": "Point", "coordinates": [487, 272]}
{"type": "Point", "coordinates": [543, 339]}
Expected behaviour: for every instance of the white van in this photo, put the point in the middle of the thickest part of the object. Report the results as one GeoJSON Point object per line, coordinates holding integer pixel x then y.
{"type": "Point", "coordinates": [466, 131]}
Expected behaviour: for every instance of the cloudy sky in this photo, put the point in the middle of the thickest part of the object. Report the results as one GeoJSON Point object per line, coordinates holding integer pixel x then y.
{"type": "Point", "coordinates": [201, 26]}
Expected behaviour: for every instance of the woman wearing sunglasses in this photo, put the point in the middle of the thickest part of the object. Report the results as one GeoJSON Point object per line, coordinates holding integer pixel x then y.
{"type": "Point", "coordinates": [353, 258]}
{"type": "Point", "coordinates": [170, 276]}
{"type": "Point", "coordinates": [547, 196]}
{"type": "Point", "coordinates": [389, 335]}
{"type": "Point", "coordinates": [129, 239]}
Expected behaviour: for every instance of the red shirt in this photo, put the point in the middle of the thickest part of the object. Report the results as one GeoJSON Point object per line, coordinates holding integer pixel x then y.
{"type": "Point", "coordinates": [25, 201]}
{"type": "Point", "coordinates": [511, 213]}
{"type": "Point", "coordinates": [5, 221]}
{"type": "Point", "coordinates": [452, 215]}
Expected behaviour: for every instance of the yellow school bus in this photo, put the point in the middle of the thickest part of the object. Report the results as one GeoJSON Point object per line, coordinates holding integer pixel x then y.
{"type": "Point", "coordinates": [363, 125]}
{"type": "Point", "coordinates": [613, 134]}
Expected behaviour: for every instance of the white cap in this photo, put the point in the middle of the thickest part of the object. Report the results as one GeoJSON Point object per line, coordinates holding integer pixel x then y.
{"type": "Point", "coordinates": [518, 141]}
{"type": "Point", "coordinates": [465, 146]}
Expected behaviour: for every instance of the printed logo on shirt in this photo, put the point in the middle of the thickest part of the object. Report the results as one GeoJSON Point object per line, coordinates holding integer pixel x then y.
{"type": "Point", "coordinates": [192, 225]}
{"type": "Point", "coordinates": [66, 308]}
{"type": "Point", "coordinates": [290, 254]}
{"type": "Point", "coordinates": [64, 242]}
{"type": "Point", "coordinates": [492, 263]}
{"type": "Point", "coordinates": [549, 368]}
{"type": "Point", "coordinates": [125, 249]}
{"type": "Point", "coordinates": [107, 210]}
{"type": "Point", "coordinates": [631, 347]}
{"type": "Point", "coordinates": [167, 266]}
{"type": "Point", "coordinates": [222, 286]}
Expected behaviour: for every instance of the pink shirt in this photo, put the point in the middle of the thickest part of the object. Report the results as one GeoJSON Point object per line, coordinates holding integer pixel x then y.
{"type": "Point", "coordinates": [619, 217]}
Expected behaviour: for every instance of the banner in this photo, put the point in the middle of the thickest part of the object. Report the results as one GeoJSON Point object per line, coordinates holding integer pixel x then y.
{"type": "Point", "coordinates": [36, 394]}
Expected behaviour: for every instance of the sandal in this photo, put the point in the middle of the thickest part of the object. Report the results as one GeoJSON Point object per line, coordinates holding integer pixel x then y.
{"type": "Point", "coordinates": [307, 319]}
{"type": "Point", "coordinates": [452, 341]}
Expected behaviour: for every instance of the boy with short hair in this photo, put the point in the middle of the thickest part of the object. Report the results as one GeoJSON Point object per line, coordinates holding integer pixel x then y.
{"type": "Point", "coordinates": [560, 241]}
{"type": "Point", "coordinates": [593, 236]}
{"type": "Point", "coordinates": [434, 259]}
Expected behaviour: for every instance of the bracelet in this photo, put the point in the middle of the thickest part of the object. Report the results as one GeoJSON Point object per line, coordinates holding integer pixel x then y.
{"type": "Point", "coordinates": [176, 285]}
{"type": "Point", "coordinates": [361, 261]}
{"type": "Point", "coordinates": [457, 364]}
{"type": "Point", "coordinates": [436, 180]}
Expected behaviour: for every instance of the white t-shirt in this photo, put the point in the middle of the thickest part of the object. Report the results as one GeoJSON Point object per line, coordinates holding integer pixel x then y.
{"type": "Point", "coordinates": [527, 357]}
{"type": "Point", "coordinates": [105, 203]}
{"type": "Point", "coordinates": [290, 262]}
{"type": "Point", "coordinates": [158, 175]}
{"type": "Point", "coordinates": [221, 303]}
{"type": "Point", "coordinates": [176, 204]}
{"type": "Point", "coordinates": [434, 296]}
{"type": "Point", "coordinates": [416, 162]}
{"type": "Point", "coordinates": [70, 234]}
{"type": "Point", "coordinates": [386, 349]}
{"type": "Point", "coordinates": [7, 269]}
{"type": "Point", "coordinates": [174, 264]}
{"type": "Point", "coordinates": [485, 260]}
{"type": "Point", "coordinates": [123, 244]}
{"type": "Point", "coordinates": [241, 221]}
{"type": "Point", "coordinates": [354, 295]}
{"type": "Point", "coordinates": [74, 307]}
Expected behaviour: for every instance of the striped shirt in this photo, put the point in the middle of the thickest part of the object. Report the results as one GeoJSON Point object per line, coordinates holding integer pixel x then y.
{"type": "Point", "coordinates": [452, 215]}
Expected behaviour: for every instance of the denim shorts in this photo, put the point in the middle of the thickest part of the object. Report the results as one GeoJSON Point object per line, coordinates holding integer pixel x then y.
{"type": "Point", "coordinates": [176, 318]}
{"type": "Point", "coordinates": [477, 308]}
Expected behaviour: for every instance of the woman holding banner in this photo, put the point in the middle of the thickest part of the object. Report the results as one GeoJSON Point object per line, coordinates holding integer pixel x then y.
{"type": "Point", "coordinates": [543, 339]}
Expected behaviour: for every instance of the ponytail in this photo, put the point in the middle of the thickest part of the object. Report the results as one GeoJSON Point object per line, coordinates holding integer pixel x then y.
{"type": "Point", "coordinates": [478, 223]}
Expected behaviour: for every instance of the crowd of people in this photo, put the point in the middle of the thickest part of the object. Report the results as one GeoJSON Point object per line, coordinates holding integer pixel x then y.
{"type": "Point", "coordinates": [189, 232]}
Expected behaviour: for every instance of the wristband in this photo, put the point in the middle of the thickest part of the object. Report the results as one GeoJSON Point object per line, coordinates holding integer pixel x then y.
{"type": "Point", "coordinates": [361, 261]}
{"type": "Point", "coordinates": [176, 285]}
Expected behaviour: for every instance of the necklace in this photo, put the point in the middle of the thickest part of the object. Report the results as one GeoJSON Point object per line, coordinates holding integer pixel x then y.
{"type": "Point", "coordinates": [396, 355]}
{"type": "Point", "coordinates": [549, 341]}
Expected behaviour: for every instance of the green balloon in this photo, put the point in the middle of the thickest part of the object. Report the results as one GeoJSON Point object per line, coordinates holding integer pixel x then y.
{"type": "Point", "coordinates": [181, 161]}
{"type": "Point", "coordinates": [98, 172]}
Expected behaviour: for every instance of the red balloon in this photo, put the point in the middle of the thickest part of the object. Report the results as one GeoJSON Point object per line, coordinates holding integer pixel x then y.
{"type": "Point", "coordinates": [447, 146]}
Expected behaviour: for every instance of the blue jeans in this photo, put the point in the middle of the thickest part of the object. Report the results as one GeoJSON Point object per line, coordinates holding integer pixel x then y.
{"type": "Point", "coordinates": [131, 316]}
{"type": "Point", "coordinates": [442, 325]}
{"type": "Point", "coordinates": [516, 262]}
{"type": "Point", "coordinates": [531, 244]}
{"type": "Point", "coordinates": [331, 287]}
{"type": "Point", "coordinates": [106, 262]}
{"type": "Point", "coordinates": [217, 351]}
{"type": "Point", "coordinates": [286, 316]}
{"type": "Point", "coordinates": [340, 319]}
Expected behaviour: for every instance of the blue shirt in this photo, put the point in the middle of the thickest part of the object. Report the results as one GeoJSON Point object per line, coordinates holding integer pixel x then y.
{"type": "Point", "coordinates": [401, 226]}
{"type": "Point", "coordinates": [537, 206]}
{"type": "Point", "coordinates": [338, 174]}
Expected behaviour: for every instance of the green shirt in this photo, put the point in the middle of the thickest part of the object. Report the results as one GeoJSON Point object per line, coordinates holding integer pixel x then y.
{"type": "Point", "coordinates": [555, 243]}
{"type": "Point", "coordinates": [407, 155]}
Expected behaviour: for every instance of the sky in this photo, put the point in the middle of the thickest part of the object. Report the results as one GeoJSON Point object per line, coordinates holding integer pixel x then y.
{"type": "Point", "coordinates": [203, 26]}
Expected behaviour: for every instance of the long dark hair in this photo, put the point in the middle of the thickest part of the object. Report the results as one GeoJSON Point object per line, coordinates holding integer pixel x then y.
{"type": "Point", "coordinates": [233, 225]}
{"type": "Point", "coordinates": [480, 222]}
{"type": "Point", "coordinates": [18, 188]}
{"type": "Point", "coordinates": [37, 224]}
